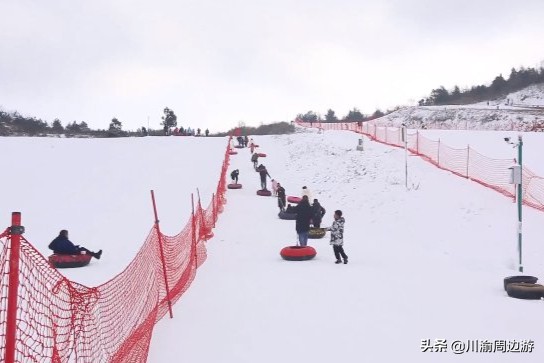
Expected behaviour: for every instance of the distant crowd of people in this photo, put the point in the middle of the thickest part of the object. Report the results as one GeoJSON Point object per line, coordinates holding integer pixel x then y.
{"type": "Point", "coordinates": [180, 131]}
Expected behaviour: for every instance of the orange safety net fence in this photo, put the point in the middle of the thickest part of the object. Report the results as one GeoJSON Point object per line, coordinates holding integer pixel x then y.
{"type": "Point", "coordinates": [467, 162]}
{"type": "Point", "coordinates": [58, 320]}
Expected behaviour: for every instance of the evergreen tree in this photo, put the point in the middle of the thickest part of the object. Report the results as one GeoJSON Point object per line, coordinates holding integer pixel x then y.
{"type": "Point", "coordinates": [115, 125]}
{"type": "Point", "coordinates": [377, 113]}
{"type": "Point", "coordinates": [57, 126]}
{"type": "Point", "coordinates": [354, 116]}
{"type": "Point", "coordinates": [169, 119]}
{"type": "Point", "coordinates": [330, 116]}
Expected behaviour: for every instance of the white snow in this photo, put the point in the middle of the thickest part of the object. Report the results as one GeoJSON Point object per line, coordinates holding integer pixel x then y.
{"type": "Point", "coordinates": [522, 110]}
{"type": "Point", "coordinates": [425, 263]}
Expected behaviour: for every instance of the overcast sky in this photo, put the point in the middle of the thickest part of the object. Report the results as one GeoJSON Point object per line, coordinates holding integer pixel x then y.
{"type": "Point", "coordinates": [216, 63]}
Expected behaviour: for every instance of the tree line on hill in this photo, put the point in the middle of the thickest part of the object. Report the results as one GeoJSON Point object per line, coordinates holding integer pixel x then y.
{"type": "Point", "coordinates": [500, 87]}
{"type": "Point", "coordinates": [354, 115]}
{"type": "Point", "coordinates": [276, 128]}
{"type": "Point", "coordinates": [15, 124]}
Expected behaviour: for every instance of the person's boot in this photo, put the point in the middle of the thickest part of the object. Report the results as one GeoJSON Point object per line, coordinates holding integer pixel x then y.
{"type": "Point", "coordinates": [345, 261]}
{"type": "Point", "coordinates": [97, 255]}
{"type": "Point", "coordinates": [338, 261]}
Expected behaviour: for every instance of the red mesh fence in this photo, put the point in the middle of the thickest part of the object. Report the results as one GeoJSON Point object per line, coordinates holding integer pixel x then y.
{"type": "Point", "coordinates": [60, 321]}
{"type": "Point", "coordinates": [467, 162]}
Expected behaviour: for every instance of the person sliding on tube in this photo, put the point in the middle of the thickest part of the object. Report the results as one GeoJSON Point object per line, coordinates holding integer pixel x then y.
{"type": "Point", "coordinates": [61, 245]}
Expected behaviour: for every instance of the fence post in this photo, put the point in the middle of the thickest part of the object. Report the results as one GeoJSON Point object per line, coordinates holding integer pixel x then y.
{"type": "Point", "coordinates": [193, 234]}
{"type": "Point", "coordinates": [15, 233]}
{"type": "Point", "coordinates": [214, 211]}
{"type": "Point", "coordinates": [209, 233]}
{"type": "Point", "coordinates": [468, 158]}
{"type": "Point", "coordinates": [386, 134]}
{"type": "Point", "coordinates": [163, 261]}
{"type": "Point", "coordinates": [438, 154]}
{"type": "Point", "coordinates": [417, 142]}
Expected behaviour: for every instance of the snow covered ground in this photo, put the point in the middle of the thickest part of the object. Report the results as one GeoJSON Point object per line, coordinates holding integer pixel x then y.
{"type": "Point", "coordinates": [522, 110]}
{"type": "Point", "coordinates": [492, 144]}
{"type": "Point", "coordinates": [425, 263]}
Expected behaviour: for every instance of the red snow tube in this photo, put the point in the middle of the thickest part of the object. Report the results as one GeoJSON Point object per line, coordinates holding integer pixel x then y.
{"type": "Point", "coordinates": [264, 192]}
{"type": "Point", "coordinates": [255, 145]}
{"type": "Point", "coordinates": [261, 155]}
{"type": "Point", "coordinates": [292, 199]}
{"type": "Point", "coordinates": [233, 152]}
{"type": "Point", "coordinates": [69, 261]}
{"type": "Point", "coordinates": [234, 186]}
{"type": "Point", "coordinates": [298, 253]}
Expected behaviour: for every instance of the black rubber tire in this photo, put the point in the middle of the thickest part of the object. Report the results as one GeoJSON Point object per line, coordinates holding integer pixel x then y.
{"type": "Point", "coordinates": [264, 193]}
{"type": "Point", "coordinates": [525, 279]}
{"type": "Point", "coordinates": [298, 253]}
{"type": "Point", "coordinates": [521, 290]}
{"type": "Point", "coordinates": [316, 233]}
{"type": "Point", "coordinates": [287, 216]}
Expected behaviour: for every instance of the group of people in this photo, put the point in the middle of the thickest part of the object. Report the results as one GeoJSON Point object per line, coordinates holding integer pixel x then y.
{"type": "Point", "coordinates": [243, 141]}
{"type": "Point", "coordinates": [189, 132]}
{"type": "Point", "coordinates": [307, 215]}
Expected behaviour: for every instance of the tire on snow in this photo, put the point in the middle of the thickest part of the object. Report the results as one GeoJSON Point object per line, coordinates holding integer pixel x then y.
{"type": "Point", "coordinates": [521, 290]}
{"type": "Point", "coordinates": [525, 279]}
{"type": "Point", "coordinates": [234, 186]}
{"type": "Point", "coordinates": [298, 253]}
{"type": "Point", "coordinates": [264, 193]}
{"type": "Point", "coordinates": [287, 216]}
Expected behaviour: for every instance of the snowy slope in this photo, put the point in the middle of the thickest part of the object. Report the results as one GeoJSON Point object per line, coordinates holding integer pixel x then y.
{"type": "Point", "coordinates": [99, 189]}
{"type": "Point", "coordinates": [520, 111]}
{"type": "Point", "coordinates": [427, 263]}
{"type": "Point", "coordinates": [424, 264]}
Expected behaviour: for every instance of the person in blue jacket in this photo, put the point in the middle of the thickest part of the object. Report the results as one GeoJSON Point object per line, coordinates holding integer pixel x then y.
{"type": "Point", "coordinates": [63, 246]}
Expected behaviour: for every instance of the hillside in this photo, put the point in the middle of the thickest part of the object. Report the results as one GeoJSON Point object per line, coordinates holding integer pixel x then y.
{"type": "Point", "coordinates": [521, 111]}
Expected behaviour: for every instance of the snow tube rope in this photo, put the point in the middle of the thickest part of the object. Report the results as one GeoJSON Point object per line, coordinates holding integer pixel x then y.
{"type": "Point", "coordinates": [69, 261]}
{"type": "Point", "coordinates": [298, 253]}
{"type": "Point", "coordinates": [234, 186]}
